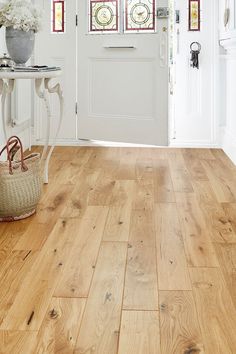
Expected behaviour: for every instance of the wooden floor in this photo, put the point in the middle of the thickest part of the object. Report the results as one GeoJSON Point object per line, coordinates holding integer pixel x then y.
{"type": "Point", "coordinates": [132, 251]}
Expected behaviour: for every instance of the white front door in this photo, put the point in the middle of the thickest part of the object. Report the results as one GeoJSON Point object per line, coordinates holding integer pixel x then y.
{"type": "Point", "coordinates": [195, 113]}
{"type": "Point", "coordinates": [122, 76]}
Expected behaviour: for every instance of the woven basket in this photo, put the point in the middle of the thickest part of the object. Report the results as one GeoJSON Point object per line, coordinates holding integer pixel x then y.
{"type": "Point", "coordinates": [20, 183]}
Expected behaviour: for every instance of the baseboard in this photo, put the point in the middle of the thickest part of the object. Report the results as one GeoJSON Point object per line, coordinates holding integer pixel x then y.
{"type": "Point", "coordinates": [193, 144]}
{"type": "Point", "coordinates": [81, 142]}
{"type": "Point", "coordinates": [228, 144]}
{"type": "Point", "coordinates": [173, 143]}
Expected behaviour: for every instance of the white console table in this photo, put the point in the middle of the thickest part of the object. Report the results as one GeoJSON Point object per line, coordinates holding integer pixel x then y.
{"type": "Point", "coordinates": [43, 88]}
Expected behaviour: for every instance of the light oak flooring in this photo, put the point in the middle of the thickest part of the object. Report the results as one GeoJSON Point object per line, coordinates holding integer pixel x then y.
{"type": "Point", "coordinates": [132, 251]}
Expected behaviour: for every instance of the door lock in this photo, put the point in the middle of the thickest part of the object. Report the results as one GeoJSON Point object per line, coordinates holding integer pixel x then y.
{"type": "Point", "coordinates": [163, 12]}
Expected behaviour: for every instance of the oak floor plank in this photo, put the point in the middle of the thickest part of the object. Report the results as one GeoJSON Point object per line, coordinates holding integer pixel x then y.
{"type": "Point", "coordinates": [68, 171]}
{"type": "Point", "coordinates": [34, 237]}
{"type": "Point", "coordinates": [118, 222]}
{"type": "Point", "coordinates": [181, 178]}
{"type": "Point", "coordinates": [141, 291]}
{"type": "Point", "coordinates": [224, 189]}
{"type": "Point", "coordinates": [127, 169]}
{"type": "Point", "coordinates": [139, 333]}
{"type": "Point", "coordinates": [163, 186]}
{"type": "Point", "coordinates": [142, 228]}
{"type": "Point", "coordinates": [30, 304]}
{"type": "Point", "coordinates": [101, 193]}
{"type": "Point", "coordinates": [60, 327]}
{"type": "Point", "coordinates": [220, 155]}
{"type": "Point", "coordinates": [198, 247]}
{"type": "Point", "coordinates": [230, 211]}
{"type": "Point", "coordinates": [122, 192]}
{"type": "Point", "coordinates": [180, 330]}
{"type": "Point", "coordinates": [143, 195]}
{"type": "Point", "coordinates": [101, 321]}
{"type": "Point", "coordinates": [9, 237]}
{"type": "Point", "coordinates": [12, 273]}
{"type": "Point", "coordinates": [144, 168]}
{"type": "Point", "coordinates": [52, 203]}
{"type": "Point", "coordinates": [195, 167]}
{"type": "Point", "coordinates": [220, 226]}
{"type": "Point", "coordinates": [78, 201]}
{"type": "Point", "coordinates": [17, 342]}
{"type": "Point", "coordinates": [201, 154]}
{"type": "Point", "coordinates": [221, 170]}
{"type": "Point", "coordinates": [99, 154]}
{"type": "Point", "coordinates": [216, 311]}
{"type": "Point", "coordinates": [78, 271]}
{"type": "Point", "coordinates": [171, 260]}
{"type": "Point", "coordinates": [227, 259]}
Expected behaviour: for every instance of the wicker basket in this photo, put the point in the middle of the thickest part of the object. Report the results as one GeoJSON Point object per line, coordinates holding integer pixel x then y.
{"type": "Point", "coordinates": [20, 183]}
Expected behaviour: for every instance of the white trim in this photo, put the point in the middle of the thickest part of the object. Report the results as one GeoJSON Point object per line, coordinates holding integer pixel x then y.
{"type": "Point", "coordinates": [173, 143]}
{"type": "Point", "coordinates": [228, 143]}
{"type": "Point", "coordinates": [194, 144]}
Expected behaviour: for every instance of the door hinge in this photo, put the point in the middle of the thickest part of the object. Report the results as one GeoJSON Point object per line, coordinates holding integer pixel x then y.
{"type": "Point", "coordinates": [76, 20]}
{"type": "Point", "coordinates": [76, 108]}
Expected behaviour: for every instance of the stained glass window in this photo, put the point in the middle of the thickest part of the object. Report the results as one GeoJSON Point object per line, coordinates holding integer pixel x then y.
{"type": "Point", "coordinates": [194, 15]}
{"type": "Point", "coordinates": [104, 16]}
{"type": "Point", "coordinates": [58, 16]}
{"type": "Point", "coordinates": [140, 15]}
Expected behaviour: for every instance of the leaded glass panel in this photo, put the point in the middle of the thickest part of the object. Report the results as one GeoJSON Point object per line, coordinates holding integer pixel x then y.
{"type": "Point", "coordinates": [194, 15]}
{"type": "Point", "coordinates": [140, 15]}
{"type": "Point", "coordinates": [104, 16]}
{"type": "Point", "coordinates": [58, 16]}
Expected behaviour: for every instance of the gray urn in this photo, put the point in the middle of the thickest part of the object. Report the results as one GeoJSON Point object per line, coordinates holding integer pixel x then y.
{"type": "Point", "coordinates": [20, 44]}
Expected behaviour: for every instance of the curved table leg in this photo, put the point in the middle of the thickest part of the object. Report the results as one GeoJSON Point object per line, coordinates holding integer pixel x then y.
{"type": "Point", "coordinates": [54, 89]}
{"type": "Point", "coordinates": [6, 87]}
{"type": "Point", "coordinates": [42, 94]}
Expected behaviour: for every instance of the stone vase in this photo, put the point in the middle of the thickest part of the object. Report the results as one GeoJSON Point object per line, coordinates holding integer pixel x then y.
{"type": "Point", "coordinates": [20, 44]}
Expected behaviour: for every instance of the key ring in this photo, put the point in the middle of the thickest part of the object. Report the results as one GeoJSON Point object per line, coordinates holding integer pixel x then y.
{"type": "Point", "coordinates": [199, 47]}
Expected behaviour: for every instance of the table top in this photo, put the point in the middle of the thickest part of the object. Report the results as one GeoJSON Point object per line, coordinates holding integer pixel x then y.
{"type": "Point", "coordinates": [12, 75]}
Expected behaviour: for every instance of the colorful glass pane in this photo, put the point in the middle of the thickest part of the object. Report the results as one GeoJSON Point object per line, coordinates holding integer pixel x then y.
{"type": "Point", "coordinates": [194, 15]}
{"type": "Point", "coordinates": [140, 15]}
{"type": "Point", "coordinates": [104, 16]}
{"type": "Point", "coordinates": [58, 13]}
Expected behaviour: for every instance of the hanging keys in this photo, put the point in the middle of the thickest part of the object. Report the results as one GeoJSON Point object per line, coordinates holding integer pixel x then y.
{"type": "Point", "coordinates": [195, 49]}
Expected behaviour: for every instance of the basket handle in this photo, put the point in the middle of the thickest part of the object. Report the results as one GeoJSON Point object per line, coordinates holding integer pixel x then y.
{"type": "Point", "coordinates": [14, 148]}
{"type": "Point", "coordinates": [14, 140]}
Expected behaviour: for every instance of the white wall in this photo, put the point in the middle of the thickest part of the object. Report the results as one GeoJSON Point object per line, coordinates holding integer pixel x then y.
{"type": "Point", "coordinates": [195, 122]}
{"type": "Point", "coordinates": [2, 50]}
{"type": "Point", "coordinates": [228, 79]}
{"type": "Point", "coordinates": [19, 105]}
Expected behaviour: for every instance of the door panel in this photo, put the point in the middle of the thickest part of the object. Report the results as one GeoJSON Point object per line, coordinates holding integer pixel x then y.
{"type": "Point", "coordinates": [122, 84]}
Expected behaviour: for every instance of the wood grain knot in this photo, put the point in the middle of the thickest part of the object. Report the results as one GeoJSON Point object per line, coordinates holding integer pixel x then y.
{"type": "Point", "coordinates": [223, 221]}
{"type": "Point", "coordinates": [192, 350]}
{"type": "Point", "coordinates": [53, 314]}
{"type": "Point", "coordinates": [76, 204]}
{"type": "Point", "coordinates": [108, 297]}
{"type": "Point", "coordinates": [163, 307]}
{"type": "Point", "coordinates": [203, 285]}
